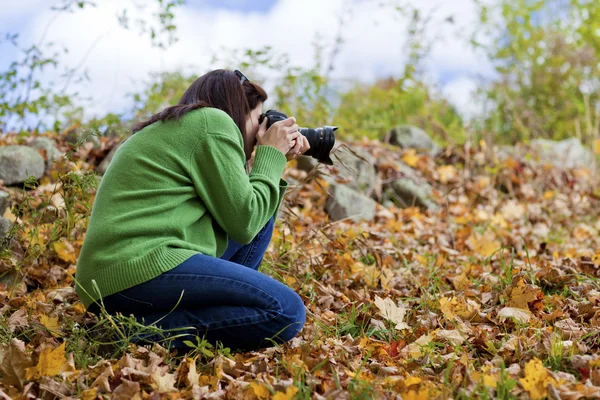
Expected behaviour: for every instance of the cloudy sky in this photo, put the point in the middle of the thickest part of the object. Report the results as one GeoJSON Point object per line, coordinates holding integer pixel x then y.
{"type": "Point", "coordinates": [119, 61]}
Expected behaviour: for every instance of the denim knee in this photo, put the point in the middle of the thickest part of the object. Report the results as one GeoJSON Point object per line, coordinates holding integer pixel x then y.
{"type": "Point", "coordinates": [292, 317]}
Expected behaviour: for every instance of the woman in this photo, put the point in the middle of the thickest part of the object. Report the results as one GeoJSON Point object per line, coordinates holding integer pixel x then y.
{"type": "Point", "coordinates": [178, 228]}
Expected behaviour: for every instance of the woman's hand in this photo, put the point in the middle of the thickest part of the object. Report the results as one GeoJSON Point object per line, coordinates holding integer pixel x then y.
{"type": "Point", "coordinates": [282, 134]}
{"type": "Point", "coordinates": [301, 147]}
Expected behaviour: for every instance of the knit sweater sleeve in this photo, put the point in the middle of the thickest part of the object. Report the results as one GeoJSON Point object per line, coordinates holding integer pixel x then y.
{"type": "Point", "coordinates": [241, 204]}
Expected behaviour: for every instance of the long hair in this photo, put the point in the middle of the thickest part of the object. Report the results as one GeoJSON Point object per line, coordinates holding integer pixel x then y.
{"type": "Point", "coordinates": [218, 89]}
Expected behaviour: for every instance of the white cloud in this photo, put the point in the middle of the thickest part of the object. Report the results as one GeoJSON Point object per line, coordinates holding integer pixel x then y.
{"type": "Point", "coordinates": [119, 60]}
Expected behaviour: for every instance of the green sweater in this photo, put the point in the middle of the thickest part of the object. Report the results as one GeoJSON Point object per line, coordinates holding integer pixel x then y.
{"type": "Point", "coordinates": [173, 190]}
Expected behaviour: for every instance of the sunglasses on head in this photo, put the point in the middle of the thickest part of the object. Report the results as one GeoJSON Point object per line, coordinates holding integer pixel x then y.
{"type": "Point", "coordinates": [240, 75]}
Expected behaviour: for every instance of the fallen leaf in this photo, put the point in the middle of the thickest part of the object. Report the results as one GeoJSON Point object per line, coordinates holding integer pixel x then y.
{"type": "Point", "coordinates": [485, 244]}
{"type": "Point", "coordinates": [14, 364]}
{"type": "Point", "coordinates": [453, 336]}
{"type": "Point", "coordinates": [415, 349]}
{"type": "Point", "coordinates": [410, 158]}
{"type": "Point", "coordinates": [65, 250]}
{"type": "Point", "coordinates": [289, 394]}
{"type": "Point", "coordinates": [447, 173]}
{"type": "Point", "coordinates": [51, 323]}
{"type": "Point", "coordinates": [390, 311]}
{"type": "Point", "coordinates": [536, 379]}
{"type": "Point", "coordinates": [52, 362]}
{"type": "Point", "coordinates": [458, 307]}
{"type": "Point", "coordinates": [519, 294]}
{"type": "Point", "coordinates": [519, 314]}
{"type": "Point", "coordinates": [260, 390]}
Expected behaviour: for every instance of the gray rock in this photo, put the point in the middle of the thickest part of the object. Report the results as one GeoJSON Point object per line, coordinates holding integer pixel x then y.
{"type": "Point", "coordinates": [360, 174]}
{"type": "Point", "coordinates": [5, 226]}
{"type": "Point", "coordinates": [306, 163]}
{"type": "Point", "coordinates": [568, 153]}
{"type": "Point", "coordinates": [103, 166]}
{"type": "Point", "coordinates": [47, 144]}
{"type": "Point", "coordinates": [19, 162]}
{"type": "Point", "coordinates": [344, 202]}
{"type": "Point", "coordinates": [406, 192]}
{"type": "Point", "coordinates": [411, 137]}
{"type": "Point", "coordinates": [4, 201]}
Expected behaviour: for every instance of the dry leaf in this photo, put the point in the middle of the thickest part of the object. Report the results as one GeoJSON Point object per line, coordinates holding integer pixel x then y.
{"type": "Point", "coordinates": [392, 312]}
{"type": "Point", "coordinates": [52, 362]}
{"type": "Point", "coordinates": [485, 244]}
{"type": "Point", "coordinates": [51, 323]}
{"type": "Point", "coordinates": [536, 379]}
{"type": "Point", "coordinates": [14, 364]}
{"type": "Point", "coordinates": [519, 294]}
{"type": "Point", "coordinates": [289, 394]}
{"type": "Point", "coordinates": [519, 314]}
{"type": "Point", "coordinates": [410, 158]}
{"type": "Point", "coordinates": [454, 336]}
{"type": "Point", "coordinates": [458, 308]}
{"type": "Point", "coordinates": [65, 250]}
{"type": "Point", "coordinates": [260, 390]}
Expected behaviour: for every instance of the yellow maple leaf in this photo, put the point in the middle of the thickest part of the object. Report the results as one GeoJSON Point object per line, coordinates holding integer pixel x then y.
{"type": "Point", "coordinates": [536, 379]}
{"type": "Point", "coordinates": [447, 173]}
{"type": "Point", "coordinates": [458, 307]}
{"type": "Point", "coordinates": [260, 390]}
{"type": "Point", "coordinates": [410, 158]}
{"type": "Point", "coordinates": [64, 250]}
{"type": "Point", "coordinates": [52, 362]}
{"type": "Point", "coordinates": [52, 324]}
{"type": "Point", "coordinates": [422, 394]}
{"type": "Point", "coordinates": [519, 294]}
{"type": "Point", "coordinates": [485, 244]}
{"type": "Point", "coordinates": [288, 395]}
{"type": "Point", "coordinates": [597, 146]}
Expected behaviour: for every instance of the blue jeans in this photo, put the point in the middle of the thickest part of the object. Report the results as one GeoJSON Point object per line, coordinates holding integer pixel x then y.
{"type": "Point", "coordinates": [224, 299]}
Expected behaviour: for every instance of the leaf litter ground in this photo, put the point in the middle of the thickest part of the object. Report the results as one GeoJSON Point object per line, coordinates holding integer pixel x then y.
{"type": "Point", "coordinates": [495, 295]}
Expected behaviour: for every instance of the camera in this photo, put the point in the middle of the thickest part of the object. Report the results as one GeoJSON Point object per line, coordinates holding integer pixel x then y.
{"type": "Point", "coordinates": [321, 140]}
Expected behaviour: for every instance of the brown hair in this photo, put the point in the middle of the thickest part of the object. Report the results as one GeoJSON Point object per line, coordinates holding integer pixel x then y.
{"type": "Point", "coordinates": [218, 89]}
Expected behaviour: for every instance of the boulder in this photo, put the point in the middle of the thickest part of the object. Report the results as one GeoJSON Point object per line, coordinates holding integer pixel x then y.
{"type": "Point", "coordinates": [49, 146]}
{"type": "Point", "coordinates": [4, 201]}
{"type": "Point", "coordinates": [405, 192]}
{"type": "Point", "coordinates": [344, 202]}
{"type": "Point", "coordinates": [306, 163]}
{"type": "Point", "coordinates": [358, 171]}
{"type": "Point", "coordinates": [568, 153]}
{"type": "Point", "coordinates": [411, 137]}
{"type": "Point", "coordinates": [19, 162]}
{"type": "Point", "coordinates": [5, 226]}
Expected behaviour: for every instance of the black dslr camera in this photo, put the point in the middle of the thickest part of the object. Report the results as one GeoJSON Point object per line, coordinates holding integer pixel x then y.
{"type": "Point", "coordinates": [321, 140]}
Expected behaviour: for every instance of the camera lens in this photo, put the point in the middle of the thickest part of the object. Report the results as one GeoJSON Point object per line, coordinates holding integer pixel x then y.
{"type": "Point", "coordinates": [321, 141]}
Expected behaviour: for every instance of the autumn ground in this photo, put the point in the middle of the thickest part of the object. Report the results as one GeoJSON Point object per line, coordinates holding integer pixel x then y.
{"type": "Point", "coordinates": [496, 295]}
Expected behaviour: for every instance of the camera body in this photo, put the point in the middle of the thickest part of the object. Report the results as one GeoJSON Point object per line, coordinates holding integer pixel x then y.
{"type": "Point", "coordinates": [321, 140]}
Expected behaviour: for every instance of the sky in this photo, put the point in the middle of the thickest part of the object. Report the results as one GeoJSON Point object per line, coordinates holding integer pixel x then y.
{"type": "Point", "coordinates": [119, 61]}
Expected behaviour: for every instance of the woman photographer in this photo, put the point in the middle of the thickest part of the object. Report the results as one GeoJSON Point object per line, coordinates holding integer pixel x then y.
{"type": "Point", "coordinates": [179, 228]}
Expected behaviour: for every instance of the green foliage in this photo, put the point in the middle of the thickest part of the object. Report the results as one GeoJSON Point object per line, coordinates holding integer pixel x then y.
{"type": "Point", "coordinates": [370, 111]}
{"type": "Point", "coordinates": [165, 89]}
{"type": "Point", "coordinates": [546, 56]}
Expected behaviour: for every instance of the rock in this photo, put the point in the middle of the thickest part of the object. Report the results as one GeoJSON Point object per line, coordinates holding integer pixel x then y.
{"type": "Point", "coordinates": [5, 226]}
{"type": "Point", "coordinates": [360, 174]}
{"type": "Point", "coordinates": [49, 146]}
{"type": "Point", "coordinates": [4, 201]}
{"type": "Point", "coordinates": [406, 192]}
{"type": "Point", "coordinates": [306, 163]}
{"type": "Point", "coordinates": [103, 166]}
{"type": "Point", "coordinates": [568, 153]}
{"type": "Point", "coordinates": [411, 137]}
{"type": "Point", "coordinates": [19, 162]}
{"type": "Point", "coordinates": [344, 202]}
